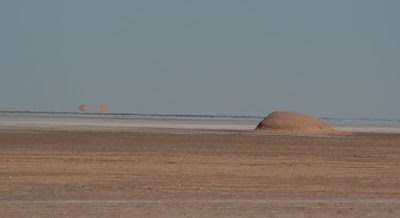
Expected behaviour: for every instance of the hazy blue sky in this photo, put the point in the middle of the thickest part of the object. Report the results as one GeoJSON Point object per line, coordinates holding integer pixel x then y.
{"type": "Point", "coordinates": [325, 58]}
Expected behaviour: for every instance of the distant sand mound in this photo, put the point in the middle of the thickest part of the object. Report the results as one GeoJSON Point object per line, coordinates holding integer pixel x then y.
{"type": "Point", "coordinates": [103, 108]}
{"type": "Point", "coordinates": [288, 122]}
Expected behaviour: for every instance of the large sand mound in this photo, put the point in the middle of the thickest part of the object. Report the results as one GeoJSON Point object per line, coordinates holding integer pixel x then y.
{"type": "Point", "coordinates": [288, 122]}
{"type": "Point", "coordinates": [103, 108]}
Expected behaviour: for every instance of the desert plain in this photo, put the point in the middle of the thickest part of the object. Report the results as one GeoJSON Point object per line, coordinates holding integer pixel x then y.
{"type": "Point", "coordinates": [68, 168]}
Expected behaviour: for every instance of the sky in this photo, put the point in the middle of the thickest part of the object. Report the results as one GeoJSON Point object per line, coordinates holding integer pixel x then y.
{"type": "Point", "coordinates": [324, 58]}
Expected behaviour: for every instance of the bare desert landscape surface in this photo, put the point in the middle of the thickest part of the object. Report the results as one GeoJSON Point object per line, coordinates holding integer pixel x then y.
{"type": "Point", "coordinates": [136, 172]}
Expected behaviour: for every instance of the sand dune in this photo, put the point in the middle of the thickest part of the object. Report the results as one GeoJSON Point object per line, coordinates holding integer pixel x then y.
{"type": "Point", "coordinates": [289, 122]}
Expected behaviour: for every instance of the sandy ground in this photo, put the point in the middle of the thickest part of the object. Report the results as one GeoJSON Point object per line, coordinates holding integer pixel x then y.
{"type": "Point", "coordinates": [136, 172]}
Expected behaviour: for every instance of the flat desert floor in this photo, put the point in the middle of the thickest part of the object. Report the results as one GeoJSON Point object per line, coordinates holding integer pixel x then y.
{"type": "Point", "coordinates": [193, 173]}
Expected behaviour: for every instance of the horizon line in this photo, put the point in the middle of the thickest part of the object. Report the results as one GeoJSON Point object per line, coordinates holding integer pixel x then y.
{"type": "Point", "coordinates": [174, 115]}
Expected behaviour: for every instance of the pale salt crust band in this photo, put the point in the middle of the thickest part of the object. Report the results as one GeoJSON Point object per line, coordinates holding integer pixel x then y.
{"type": "Point", "coordinates": [76, 123]}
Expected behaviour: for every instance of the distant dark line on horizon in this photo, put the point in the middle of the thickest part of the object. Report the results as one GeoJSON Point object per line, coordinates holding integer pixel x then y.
{"type": "Point", "coordinates": [180, 115]}
{"type": "Point", "coordinates": [135, 114]}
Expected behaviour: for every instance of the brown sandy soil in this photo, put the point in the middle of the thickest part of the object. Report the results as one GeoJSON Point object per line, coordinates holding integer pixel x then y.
{"type": "Point", "coordinates": [117, 174]}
